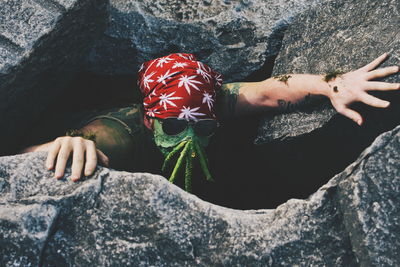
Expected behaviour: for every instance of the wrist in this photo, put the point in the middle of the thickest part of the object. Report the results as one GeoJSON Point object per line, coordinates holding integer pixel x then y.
{"type": "Point", "coordinates": [324, 88]}
{"type": "Point", "coordinates": [331, 82]}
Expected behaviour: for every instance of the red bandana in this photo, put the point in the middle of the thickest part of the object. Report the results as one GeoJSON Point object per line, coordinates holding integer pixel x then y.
{"type": "Point", "coordinates": [178, 86]}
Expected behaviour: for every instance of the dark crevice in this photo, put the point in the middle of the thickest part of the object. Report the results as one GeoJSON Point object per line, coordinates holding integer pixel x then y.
{"type": "Point", "coordinates": [96, 92]}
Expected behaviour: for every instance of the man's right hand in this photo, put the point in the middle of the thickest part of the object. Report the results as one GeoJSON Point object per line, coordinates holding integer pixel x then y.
{"type": "Point", "coordinates": [84, 156]}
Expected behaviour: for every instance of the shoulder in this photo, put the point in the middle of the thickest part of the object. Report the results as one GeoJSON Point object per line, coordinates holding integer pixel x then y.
{"type": "Point", "coordinates": [227, 97]}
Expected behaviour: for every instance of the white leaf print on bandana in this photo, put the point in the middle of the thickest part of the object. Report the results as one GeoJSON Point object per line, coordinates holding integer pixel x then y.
{"type": "Point", "coordinates": [167, 75]}
{"type": "Point", "coordinates": [207, 98]}
{"type": "Point", "coordinates": [147, 80]}
{"type": "Point", "coordinates": [189, 82]}
{"type": "Point", "coordinates": [190, 114]}
{"type": "Point", "coordinates": [167, 99]}
{"type": "Point", "coordinates": [163, 60]}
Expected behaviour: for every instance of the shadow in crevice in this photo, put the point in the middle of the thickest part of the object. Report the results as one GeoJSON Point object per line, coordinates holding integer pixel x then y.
{"type": "Point", "coordinates": [264, 176]}
{"type": "Point", "coordinates": [84, 95]}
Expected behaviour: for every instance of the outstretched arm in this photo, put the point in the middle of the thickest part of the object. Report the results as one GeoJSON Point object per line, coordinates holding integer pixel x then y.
{"type": "Point", "coordinates": [287, 92]}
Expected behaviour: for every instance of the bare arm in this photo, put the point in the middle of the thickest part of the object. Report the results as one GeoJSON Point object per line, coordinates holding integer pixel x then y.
{"type": "Point", "coordinates": [287, 92]}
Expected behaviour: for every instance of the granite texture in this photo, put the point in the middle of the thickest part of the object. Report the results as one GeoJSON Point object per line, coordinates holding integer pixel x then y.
{"type": "Point", "coordinates": [234, 37]}
{"type": "Point", "coordinates": [117, 218]}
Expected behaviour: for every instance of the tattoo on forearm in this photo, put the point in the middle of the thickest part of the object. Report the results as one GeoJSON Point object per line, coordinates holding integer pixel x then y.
{"type": "Point", "coordinates": [331, 75]}
{"type": "Point", "coordinates": [283, 78]}
{"type": "Point", "coordinates": [228, 95]}
{"type": "Point", "coordinates": [308, 100]}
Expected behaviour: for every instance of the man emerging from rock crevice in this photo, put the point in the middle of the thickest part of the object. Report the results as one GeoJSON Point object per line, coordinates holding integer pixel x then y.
{"type": "Point", "coordinates": [184, 102]}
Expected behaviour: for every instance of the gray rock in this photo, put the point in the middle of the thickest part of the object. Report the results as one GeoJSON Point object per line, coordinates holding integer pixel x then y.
{"type": "Point", "coordinates": [335, 35]}
{"type": "Point", "coordinates": [119, 218]}
{"type": "Point", "coordinates": [369, 201]}
{"type": "Point", "coordinates": [234, 37]}
{"type": "Point", "coordinates": [42, 43]}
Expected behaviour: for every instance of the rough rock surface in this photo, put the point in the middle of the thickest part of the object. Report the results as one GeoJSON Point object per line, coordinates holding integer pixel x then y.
{"type": "Point", "coordinates": [42, 42]}
{"type": "Point", "coordinates": [342, 35]}
{"type": "Point", "coordinates": [233, 36]}
{"type": "Point", "coordinates": [119, 218]}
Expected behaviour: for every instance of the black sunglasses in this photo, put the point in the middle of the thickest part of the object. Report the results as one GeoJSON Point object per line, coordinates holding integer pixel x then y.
{"type": "Point", "coordinates": [174, 126]}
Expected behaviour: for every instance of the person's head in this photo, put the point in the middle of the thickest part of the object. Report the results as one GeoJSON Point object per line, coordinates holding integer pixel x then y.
{"type": "Point", "coordinates": [179, 96]}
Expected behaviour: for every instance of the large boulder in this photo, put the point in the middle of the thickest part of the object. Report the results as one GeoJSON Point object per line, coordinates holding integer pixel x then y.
{"type": "Point", "coordinates": [118, 218]}
{"type": "Point", "coordinates": [343, 35]}
{"type": "Point", "coordinates": [235, 37]}
{"type": "Point", "coordinates": [42, 44]}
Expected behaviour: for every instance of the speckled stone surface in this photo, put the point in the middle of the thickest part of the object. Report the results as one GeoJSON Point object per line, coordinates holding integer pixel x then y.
{"type": "Point", "coordinates": [235, 37]}
{"type": "Point", "coordinates": [118, 218]}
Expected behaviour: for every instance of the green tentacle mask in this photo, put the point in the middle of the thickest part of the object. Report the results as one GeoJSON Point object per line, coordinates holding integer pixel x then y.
{"type": "Point", "coordinates": [189, 146]}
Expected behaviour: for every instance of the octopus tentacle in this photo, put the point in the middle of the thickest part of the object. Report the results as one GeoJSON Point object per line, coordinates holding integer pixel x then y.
{"type": "Point", "coordinates": [189, 169]}
{"type": "Point", "coordinates": [178, 165]}
{"type": "Point", "coordinates": [203, 161]}
{"type": "Point", "coordinates": [168, 158]}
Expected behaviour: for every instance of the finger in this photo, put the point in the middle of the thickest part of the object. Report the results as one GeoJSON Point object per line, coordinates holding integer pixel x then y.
{"type": "Point", "coordinates": [52, 154]}
{"type": "Point", "coordinates": [62, 159]}
{"type": "Point", "coordinates": [373, 101]}
{"type": "Point", "coordinates": [353, 115]}
{"type": "Point", "coordinates": [91, 159]}
{"type": "Point", "coordinates": [78, 159]}
{"type": "Point", "coordinates": [383, 72]}
{"type": "Point", "coordinates": [375, 63]}
{"type": "Point", "coordinates": [382, 86]}
{"type": "Point", "coordinates": [103, 158]}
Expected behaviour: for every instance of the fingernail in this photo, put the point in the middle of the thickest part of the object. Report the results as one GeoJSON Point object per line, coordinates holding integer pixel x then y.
{"type": "Point", "coordinates": [387, 104]}
{"type": "Point", "coordinates": [359, 122]}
